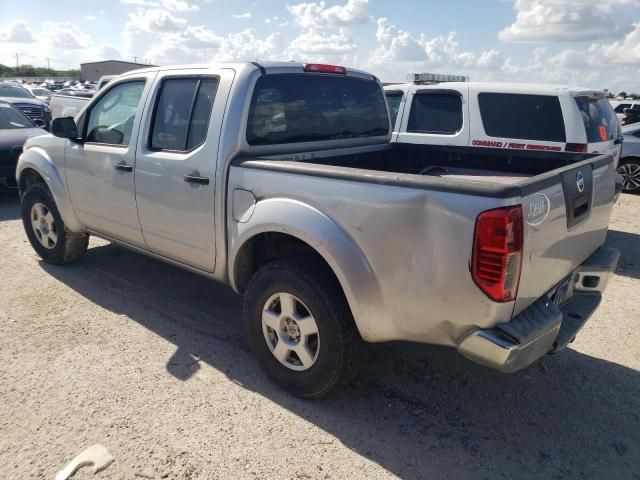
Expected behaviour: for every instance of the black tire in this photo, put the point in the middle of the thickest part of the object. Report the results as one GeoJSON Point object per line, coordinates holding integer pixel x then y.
{"type": "Point", "coordinates": [341, 352]}
{"type": "Point", "coordinates": [69, 246]}
{"type": "Point", "coordinates": [629, 168]}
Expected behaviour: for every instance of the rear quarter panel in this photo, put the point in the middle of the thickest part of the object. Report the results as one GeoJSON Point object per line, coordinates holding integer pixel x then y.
{"type": "Point", "coordinates": [416, 243]}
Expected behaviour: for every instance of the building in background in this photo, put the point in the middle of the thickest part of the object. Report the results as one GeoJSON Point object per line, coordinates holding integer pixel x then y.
{"type": "Point", "coordinates": [92, 71]}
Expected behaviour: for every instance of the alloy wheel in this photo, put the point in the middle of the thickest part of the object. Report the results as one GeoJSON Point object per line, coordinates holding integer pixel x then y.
{"type": "Point", "coordinates": [291, 331]}
{"type": "Point", "coordinates": [44, 225]}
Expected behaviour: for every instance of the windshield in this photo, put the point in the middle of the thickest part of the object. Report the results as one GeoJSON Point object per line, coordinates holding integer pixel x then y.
{"type": "Point", "coordinates": [10, 118]}
{"type": "Point", "coordinates": [43, 92]}
{"type": "Point", "coordinates": [292, 108]}
{"type": "Point", "coordinates": [13, 91]}
{"type": "Point", "coordinates": [600, 121]}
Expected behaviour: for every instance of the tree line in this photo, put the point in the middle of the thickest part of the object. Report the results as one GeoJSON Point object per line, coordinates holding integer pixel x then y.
{"type": "Point", "coordinates": [31, 71]}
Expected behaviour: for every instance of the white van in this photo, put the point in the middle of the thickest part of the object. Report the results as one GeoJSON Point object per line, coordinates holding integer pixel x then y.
{"type": "Point", "coordinates": [504, 116]}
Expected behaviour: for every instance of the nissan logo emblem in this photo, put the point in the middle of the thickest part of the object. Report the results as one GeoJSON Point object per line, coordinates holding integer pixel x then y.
{"type": "Point", "coordinates": [580, 181]}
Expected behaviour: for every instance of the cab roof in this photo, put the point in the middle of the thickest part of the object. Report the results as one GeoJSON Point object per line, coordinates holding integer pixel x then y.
{"type": "Point", "coordinates": [268, 67]}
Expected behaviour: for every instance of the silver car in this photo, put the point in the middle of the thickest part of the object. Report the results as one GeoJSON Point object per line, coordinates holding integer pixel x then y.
{"type": "Point", "coordinates": [630, 158]}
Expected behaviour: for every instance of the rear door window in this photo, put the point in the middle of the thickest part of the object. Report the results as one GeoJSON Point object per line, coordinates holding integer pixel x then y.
{"type": "Point", "coordinates": [182, 111]}
{"type": "Point", "coordinates": [522, 116]}
{"type": "Point", "coordinates": [394, 99]}
{"type": "Point", "coordinates": [292, 108]}
{"type": "Point", "coordinates": [437, 112]}
{"type": "Point", "coordinates": [600, 121]}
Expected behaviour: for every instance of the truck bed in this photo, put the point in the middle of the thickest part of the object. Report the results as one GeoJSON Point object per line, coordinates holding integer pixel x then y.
{"type": "Point", "coordinates": [503, 166]}
{"type": "Point", "coordinates": [470, 170]}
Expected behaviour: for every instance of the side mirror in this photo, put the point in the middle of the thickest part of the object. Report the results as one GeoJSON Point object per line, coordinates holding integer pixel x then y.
{"type": "Point", "coordinates": [65, 127]}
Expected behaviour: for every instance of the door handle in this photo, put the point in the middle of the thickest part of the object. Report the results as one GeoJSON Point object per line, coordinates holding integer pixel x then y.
{"type": "Point", "coordinates": [194, 177]}
{"type": "Point", "coordinates": [123, 167]}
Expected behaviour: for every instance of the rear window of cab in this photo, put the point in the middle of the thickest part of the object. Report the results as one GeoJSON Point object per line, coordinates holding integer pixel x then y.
{"type": "Point", "coordinates": [294, 108]}
{"type": "Point", "coordinates": [522, 116]}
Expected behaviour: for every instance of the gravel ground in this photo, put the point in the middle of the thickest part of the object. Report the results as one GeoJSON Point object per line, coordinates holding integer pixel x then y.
{"type": "Point", "coordinates": [149, 361]}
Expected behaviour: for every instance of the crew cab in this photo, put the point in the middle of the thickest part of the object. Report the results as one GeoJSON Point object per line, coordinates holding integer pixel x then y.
{"type": "Point", "coordinates": [509, 116]}
{"type": "Point", "coordinates": [279, 179]}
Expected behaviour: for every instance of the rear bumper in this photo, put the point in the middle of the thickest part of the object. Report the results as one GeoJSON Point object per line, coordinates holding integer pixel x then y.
{"type": "Point", "coordinates": [543, 327]}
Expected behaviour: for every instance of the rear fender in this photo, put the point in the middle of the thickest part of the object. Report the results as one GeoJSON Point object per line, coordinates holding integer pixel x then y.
{"type": "Point", "coordinates": [37, 159]}
{"type": "Point", "coordinates": [321, 233]}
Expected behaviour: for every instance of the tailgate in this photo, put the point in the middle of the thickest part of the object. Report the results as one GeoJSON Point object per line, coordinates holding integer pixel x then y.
{"type": "Point", "coordinates": [566, 217]}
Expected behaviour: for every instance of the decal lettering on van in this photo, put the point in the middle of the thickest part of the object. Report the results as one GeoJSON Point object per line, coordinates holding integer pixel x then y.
{"type": "Point", "coordinates": [515, 146]}
{"type": "Point", "coordinates": [538, 208]}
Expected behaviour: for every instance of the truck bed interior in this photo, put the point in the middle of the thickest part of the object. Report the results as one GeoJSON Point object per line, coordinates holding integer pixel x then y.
{"type": "Point", "coordinates": [463, 163]}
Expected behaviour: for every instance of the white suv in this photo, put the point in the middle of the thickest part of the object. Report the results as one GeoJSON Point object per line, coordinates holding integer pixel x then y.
{"type": "Point", "coordinates": [504, 116]}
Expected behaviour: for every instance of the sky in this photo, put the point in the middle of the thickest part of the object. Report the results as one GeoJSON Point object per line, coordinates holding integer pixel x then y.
{"type": "Point", "coordinates": [591, 43]}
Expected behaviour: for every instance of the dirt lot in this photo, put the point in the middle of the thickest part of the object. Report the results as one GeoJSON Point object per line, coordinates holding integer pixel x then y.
{"type": "Point", "coordinates": [149, 361]}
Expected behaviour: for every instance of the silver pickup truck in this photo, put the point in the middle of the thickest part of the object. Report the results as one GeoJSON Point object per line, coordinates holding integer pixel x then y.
{"type": "Point", "coordinates": [279, 179]}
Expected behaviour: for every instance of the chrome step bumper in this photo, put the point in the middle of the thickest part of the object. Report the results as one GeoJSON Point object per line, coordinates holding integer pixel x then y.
{"type": "Point", "coordinates": [543, 327]}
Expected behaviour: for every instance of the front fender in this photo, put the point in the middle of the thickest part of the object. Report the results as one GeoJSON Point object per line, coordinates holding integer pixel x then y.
{"type": "Point", "coordinates": [320, 232]}
{"type": "Point", "coordinates": [36, 158]}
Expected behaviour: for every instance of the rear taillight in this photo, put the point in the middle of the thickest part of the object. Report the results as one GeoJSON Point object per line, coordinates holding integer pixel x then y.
{"type": "Point", "coordinates": [324, 68]}
{"type": "Point", "coordinates": [497, 252]}
{"type": "Point", "coordinates": [576, 147]}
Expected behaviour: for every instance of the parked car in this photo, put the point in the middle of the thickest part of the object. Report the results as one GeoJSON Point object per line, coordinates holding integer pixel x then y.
{"type": "Point", "coordinates": [64, 106]}
{"type": "Point", "coordinates": [38, 111]}
{"type": "Point", "coordinates": [279, 180]}
{"type": "Point", "coordinates": [15, 129]}
{"type": "Point", "coordinates": [619, 106]}
{"type": "Point", "coordinates": [41, 93]}
{"type": "Point", "coordinates": [630, 158]}
{"type": "Point", "coordinates": [631, 115]}
{"type": "Point", "coordinates": [507, 116]}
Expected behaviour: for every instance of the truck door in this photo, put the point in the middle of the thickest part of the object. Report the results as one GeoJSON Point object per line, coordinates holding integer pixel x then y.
{"type": "Point", "coordinates": [99, 169]}
{"type": "Point", "coordinates": [176, 165]}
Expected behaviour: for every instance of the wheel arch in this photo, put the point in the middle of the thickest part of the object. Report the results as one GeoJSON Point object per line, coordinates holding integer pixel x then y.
{"type": "Point", "coordinates": [281, 228]}
{"type": "Point", "coordinates": [35, 166]}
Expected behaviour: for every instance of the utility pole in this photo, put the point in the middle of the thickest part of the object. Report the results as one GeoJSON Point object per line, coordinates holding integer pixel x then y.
{"type": "Point", "coordinates": [204, 55]}
{"type": "Point", "coordinates": [17, 64]}
{"type": "Point", "coordinates": [49, 65]}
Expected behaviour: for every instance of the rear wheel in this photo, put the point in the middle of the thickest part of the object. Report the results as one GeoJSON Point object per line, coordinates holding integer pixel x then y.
{"type": "Point", "coordinates": [630, 170]}
{"type": "Point", "coordinates": [300, 328]}
{"type": "Point", "coordinates": [45, 229]}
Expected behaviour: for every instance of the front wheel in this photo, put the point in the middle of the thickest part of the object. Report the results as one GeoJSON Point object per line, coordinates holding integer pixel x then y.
{"type": "Point", "coordinates": [45, 229]}
{"type": "Point", "coordinates": [300, 328]}
{"type": "Point", "coordinates": [630, 170]}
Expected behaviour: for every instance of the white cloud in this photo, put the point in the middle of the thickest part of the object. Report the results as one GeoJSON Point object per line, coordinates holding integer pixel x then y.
{"type": "Point", "coordinates": [622, 52]}
{"type": "Point", "coordinates": [16, 32]}
{"type": "Point", "coordinates": [176, 5]}
{"type": "Point", "coordinates": [399, 51]}
{"type": "Point", "coordinates": [154, 21]}
{"type": "Point", "coordinates": [65, 36]}
{"type": "Point", "coordinates": [242, 15]}
{"type": "Point", "coordinates": [317, 14]}
{"type": "Point", "coordinates": [313, 43]}
{"type": "Point", "coordinates": [566, 21]}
